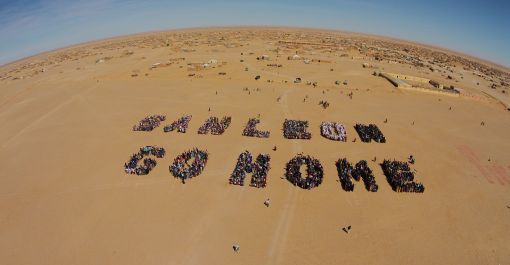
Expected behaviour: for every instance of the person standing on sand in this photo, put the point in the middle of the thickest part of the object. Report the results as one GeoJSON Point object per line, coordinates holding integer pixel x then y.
{"type": "Point", "coordinates": [236, 248]}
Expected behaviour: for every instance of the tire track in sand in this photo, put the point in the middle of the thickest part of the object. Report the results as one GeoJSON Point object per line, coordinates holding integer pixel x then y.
{"type": "Point", "coordinates": [280, 235]}
{"type": "Point", "coordinates": [45, 115]}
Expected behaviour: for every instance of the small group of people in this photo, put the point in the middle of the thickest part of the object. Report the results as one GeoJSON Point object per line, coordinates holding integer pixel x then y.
{"type": "Point", "coordinates": [181, 124]}
{"type": "Point", "coordinates": [360, 171]}
{"type": "Point", "coordinates": [294, 129]}
{"type": "Point", "coordinates": [314, 170]}
{"type": "Point", "coordinates": [245, 165]}
{"type": "Point", "coordinates": [324, 104]}
{"type": "Point", "coordinates": [251, 130]}
{"type": "Point", "coordinates": [369, 132]}
{"type": "Point", "coordinates": [400, 177]}
{"type": "Point", "coordinates": [333, 131]}
{"type": "Point", "coordinates": [148, 164]}
{"type": "Point", "coordinates": [149, 123]}
{"type": "Point", "coordinates": [213, 125]}
{"type": "Point", "coordinates": [180, 168]}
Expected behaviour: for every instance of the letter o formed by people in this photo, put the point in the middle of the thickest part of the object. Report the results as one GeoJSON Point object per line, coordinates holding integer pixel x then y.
{"type": "Point", "coordinates": [183, 170]}
{"type": "Point", "coordinates": [315, 172]}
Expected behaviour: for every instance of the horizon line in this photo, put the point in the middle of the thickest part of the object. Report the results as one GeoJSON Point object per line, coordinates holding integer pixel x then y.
{"type": "Point", "coordinates": [211, 27]}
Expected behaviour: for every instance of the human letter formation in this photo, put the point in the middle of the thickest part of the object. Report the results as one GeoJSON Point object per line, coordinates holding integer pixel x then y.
{"type": "Point", "coordinates": [148, 164]}
{"type": "Point", "coordinates": [400, 177]}
{"type": "Point", "coordinates": [314, 172]}
{"type": "Point", "coordinates": [398, 174]}
{"type": "Point", "coordinates": [192, 163]}
{"type": "Point", "coordinates": [214, 126]}
{"type": "Point", "coordinates": [346, 172]}
{"type": "Point", "coordinates": [292, 129]}
{"type": "Point", "coordinates": [181, 125]}
{"type": "Point", "coordinates": [245, 165]}
{"type": "Point", "coordinates": [149, 123]}
{"type": "Point", "coordinates": [183, 170]}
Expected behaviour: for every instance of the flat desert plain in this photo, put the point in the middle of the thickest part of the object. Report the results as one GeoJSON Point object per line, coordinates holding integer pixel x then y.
{"type": "Point", "coordinates": [67, 120]}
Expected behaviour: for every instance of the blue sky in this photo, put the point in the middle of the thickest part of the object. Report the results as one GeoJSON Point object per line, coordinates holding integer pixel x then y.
{"type": "Point", "coordinates": [479, 28]}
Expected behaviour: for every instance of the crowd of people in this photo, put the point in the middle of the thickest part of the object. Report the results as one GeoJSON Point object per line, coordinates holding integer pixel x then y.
{"type": "Point", "coordinates": [259, 178]}
{"type": "Point", "coordinates": [369, 132]}
{"type": "Point", "coordinates": [314, 170]}
{"type": "Point", "coordinates": [400, 177]}
{"type": "Point", "coordinates": [180, 168]}
{"type": "Point", "coordinates": [181, 124]}
{"type": "Point", "coordinates": [293, 129]}
{"type": "Point", "coordinates": [245, 165]}
{"type": "Point", "coordinates": [149, 123]}
{"type": "Point", "coordinates": [215, 126]}
{"type": "Point", "coordinates": [148, 164]}
{"type": "Point", "coordinates": [333, 131]}
{"type": "Point", "coordinates": [251, 130]}
{"type": "Point", "coordinates": [359, 171]}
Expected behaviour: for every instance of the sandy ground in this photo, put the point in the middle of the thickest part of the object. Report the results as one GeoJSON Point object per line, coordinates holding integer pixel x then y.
{"type": "Point", "coordinates": [66, 133]}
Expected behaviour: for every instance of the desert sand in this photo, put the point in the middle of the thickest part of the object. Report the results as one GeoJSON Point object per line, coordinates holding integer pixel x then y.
{"type": "Point", "coordinates": [67, 119]}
